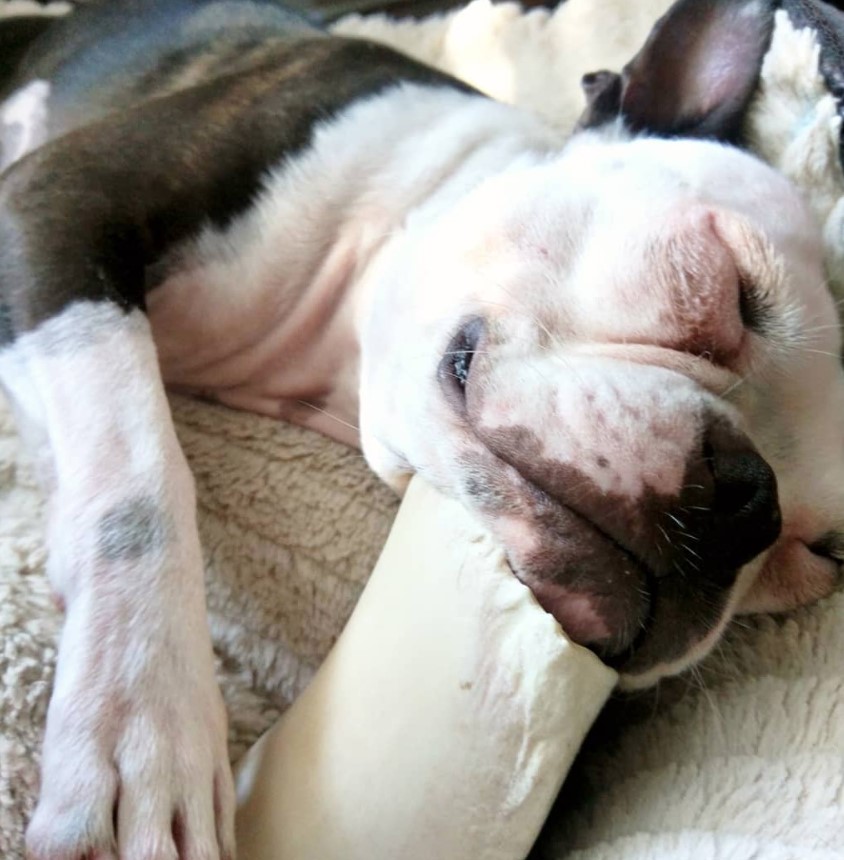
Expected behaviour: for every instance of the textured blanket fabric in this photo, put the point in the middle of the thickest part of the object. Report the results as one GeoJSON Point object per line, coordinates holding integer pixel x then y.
{"type": "Point", "coordinates": [745, 761]}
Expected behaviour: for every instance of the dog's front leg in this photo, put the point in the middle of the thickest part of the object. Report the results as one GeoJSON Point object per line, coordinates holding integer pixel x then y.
{"type": "Point", "coordinates": [134, 760]}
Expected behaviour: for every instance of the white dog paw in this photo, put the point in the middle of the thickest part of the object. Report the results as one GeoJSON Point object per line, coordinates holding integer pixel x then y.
{"type": "Point", "coordinates": [135, 764]}
{"type": "Point", "coordinates": [157, 787]}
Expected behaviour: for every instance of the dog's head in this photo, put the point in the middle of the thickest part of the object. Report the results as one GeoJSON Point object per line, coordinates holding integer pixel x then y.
{"type": "Point", "coordinates": [626, 359]}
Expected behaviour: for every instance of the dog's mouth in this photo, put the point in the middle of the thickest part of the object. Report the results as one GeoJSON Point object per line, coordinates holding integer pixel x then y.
{"type": "Point", "coordinates": [632, 616]}
{"type": "Point", "coordinates": [643, 582]}
{"type": "Point", "coordinates": [648, 622]}
{"type": "Point", "coordinates": [607, 599]}
{"type": "Point", "coordinates": [613, 625]}
{"type": "Point", "coordinates": [607, 602]}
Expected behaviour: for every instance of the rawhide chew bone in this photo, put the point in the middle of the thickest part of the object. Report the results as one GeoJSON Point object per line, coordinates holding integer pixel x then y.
{"type": "Point", "coordinates": [442, 723]}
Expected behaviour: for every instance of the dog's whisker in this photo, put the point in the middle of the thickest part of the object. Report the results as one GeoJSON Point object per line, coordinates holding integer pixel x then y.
{"type": "Point", "coordinates": [819, 352]}
{"type": "Point", "coordinates": [329, 415]}
{"type": "Point", "coordinates": [678, 566]}
{"type": "Point", "coordinates": [665, 535]}
{"type": "Point", "coordinates": [466, 351]}
{"type": "Point", "coordinates": [689, 550]}
{"type": "Point", "coordinates": [838, 326]}
{"type": "Point", "coordinates": [674, 518]}
{"type": "Point", "coordinates": [718, 718]}
{"type": "Point", "coordinates": [734, 387]}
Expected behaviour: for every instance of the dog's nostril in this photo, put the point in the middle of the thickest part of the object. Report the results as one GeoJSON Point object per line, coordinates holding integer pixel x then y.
{"type": "Point", "coordinates": [745, 516]}
{"type": "Point", "coordinates": [744, 485]}
{"type": "Point", "coordinates": [742, 496]}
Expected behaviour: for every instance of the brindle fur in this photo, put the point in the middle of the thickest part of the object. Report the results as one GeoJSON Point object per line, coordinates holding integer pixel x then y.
{"type": "Point", "coordinates": [88, 215]}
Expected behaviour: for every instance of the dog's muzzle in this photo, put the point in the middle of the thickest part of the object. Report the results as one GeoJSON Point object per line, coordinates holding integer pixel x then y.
{"type": "Point", "coordinates": [641, 581]}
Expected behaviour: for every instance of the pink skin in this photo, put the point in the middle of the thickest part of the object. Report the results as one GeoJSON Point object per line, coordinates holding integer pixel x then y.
{"type": "Point", "coordinates": [694, 308]}
{"type": "Point", "coordinates": [776, 588]}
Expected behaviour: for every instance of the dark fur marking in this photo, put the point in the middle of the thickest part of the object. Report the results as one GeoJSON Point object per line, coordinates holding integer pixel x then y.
{"type": "Point", "coordinates": [603, 92]}
{"type": "Point", "coordinates": [87, 216]}
{"type": "Point", "coordinates": [659, 90]}
{"type": "Point", "coordinates": [7, 332]}
{"type": "Point", "coordinates": [716, 503]}
{"type": "Point", "coordinates": [16, 36]}
{"type": "Point", "coordinates": [134, 528]}
{"type": "Point", "coordinates": [569, 551]}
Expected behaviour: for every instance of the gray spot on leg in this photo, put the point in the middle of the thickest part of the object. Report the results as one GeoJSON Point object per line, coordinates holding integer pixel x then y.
{"type": "Point", "coordinates": [134, 528]}
{"type": "Point", "coordinates": [7, 329]}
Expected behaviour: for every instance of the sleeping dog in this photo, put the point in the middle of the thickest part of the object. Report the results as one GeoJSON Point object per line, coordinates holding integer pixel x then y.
{"type": "Point", "coordinates": [618, 350]}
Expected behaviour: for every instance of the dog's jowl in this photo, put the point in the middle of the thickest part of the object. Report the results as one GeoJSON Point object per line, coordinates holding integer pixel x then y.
{"type": "Point", "coordinates": [618, 349]}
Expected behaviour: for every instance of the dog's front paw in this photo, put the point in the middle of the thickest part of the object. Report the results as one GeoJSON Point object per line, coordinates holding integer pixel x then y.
{"type": "Point", "coordinates": [134, 762]}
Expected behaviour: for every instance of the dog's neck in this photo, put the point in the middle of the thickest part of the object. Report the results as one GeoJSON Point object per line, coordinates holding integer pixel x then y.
{"type": "Point", "coordinates": [398, 158]}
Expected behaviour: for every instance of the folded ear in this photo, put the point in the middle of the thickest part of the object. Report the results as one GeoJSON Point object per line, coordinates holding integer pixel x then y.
{"type": "Point", "coordinates": [698, 70]}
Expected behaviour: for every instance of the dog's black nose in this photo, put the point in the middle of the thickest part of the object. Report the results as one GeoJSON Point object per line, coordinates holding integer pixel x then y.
{"type": "Point", "coordinates": [741, 516]}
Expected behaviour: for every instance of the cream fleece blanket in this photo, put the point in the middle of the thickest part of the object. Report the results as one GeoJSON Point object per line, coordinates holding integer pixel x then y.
{"type": "Point", "coordinates": [746, 762]}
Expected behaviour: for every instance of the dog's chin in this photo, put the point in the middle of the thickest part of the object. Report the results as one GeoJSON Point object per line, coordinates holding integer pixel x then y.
{"type": "Point", "coordinates": [608, 624]}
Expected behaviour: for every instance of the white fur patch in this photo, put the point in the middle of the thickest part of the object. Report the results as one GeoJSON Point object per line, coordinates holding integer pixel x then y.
{"type": "Point", "coordinates": [23, 121]}
{"type": "Point", "coordinates": [13, 8]}
{"type": "Point", "coordinates": [794, 125]}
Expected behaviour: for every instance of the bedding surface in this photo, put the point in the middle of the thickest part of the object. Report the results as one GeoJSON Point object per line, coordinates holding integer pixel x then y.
{"type": "Point", "coordinates": [745, 759]}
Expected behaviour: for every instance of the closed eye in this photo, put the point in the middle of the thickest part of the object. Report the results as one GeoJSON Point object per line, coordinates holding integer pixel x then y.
{"type": "Point", "coordinates": [756, 313]}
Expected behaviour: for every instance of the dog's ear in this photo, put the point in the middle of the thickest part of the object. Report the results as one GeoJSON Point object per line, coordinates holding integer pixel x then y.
{"type": "Point", "coordinates": [603, 98]}
{"type": "Point", "coordinates": [694, 76]}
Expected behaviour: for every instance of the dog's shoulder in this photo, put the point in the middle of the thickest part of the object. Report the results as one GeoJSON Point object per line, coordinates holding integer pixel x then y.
{"type": "Point", "coordinates": [194, 121]}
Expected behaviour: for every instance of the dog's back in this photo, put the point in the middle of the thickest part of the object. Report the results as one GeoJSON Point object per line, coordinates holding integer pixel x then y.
{"type": "Point", "coordinates": [110, 55]}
